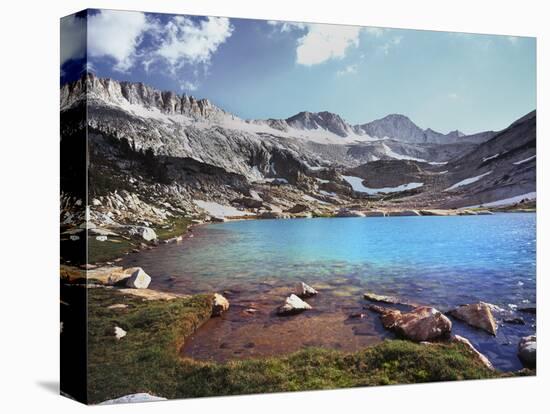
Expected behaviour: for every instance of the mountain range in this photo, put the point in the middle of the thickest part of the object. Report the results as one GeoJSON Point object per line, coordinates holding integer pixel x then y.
{"type": "Point", "coordinates": [170, 150]}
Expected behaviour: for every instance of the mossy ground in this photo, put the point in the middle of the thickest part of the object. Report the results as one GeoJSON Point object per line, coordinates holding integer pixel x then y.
{"type": "Point", "coordinates": [147, 359]}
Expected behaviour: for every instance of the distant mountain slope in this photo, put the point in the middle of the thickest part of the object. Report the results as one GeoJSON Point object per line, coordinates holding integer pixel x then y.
{"type": "Point", "coordinates": [401, 128]}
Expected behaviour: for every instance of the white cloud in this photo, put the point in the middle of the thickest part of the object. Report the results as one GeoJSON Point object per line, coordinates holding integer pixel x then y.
{"type": "Point", "coordinates": [285, 27]}
{"type": "Point", "coordinates": [116, 34]}
{"type": "Point", "coordinates": [453, 95]}
{"type": "Point", "coordinates": [348, 70]}
{"type": "Point", "coordinates": [374, 31]}
{"type": "Point", "coordinates": [73, 38]}
{"type": "Point", "coordinates": [184, 41]}
{"type": "Point", "coordinates": [323, 42]}
{"type": "Point", "coordinates": [188, 86]}
{"type": "Point", "coordinates": [390, 44]}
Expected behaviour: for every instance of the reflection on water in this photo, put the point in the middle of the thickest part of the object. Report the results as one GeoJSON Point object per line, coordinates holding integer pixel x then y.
{"type": "Point", "coordinates": [439, 261]}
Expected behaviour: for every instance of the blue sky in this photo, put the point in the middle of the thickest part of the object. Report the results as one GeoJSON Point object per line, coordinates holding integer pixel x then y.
{"type": "Point", "coordinates": [264, 69]}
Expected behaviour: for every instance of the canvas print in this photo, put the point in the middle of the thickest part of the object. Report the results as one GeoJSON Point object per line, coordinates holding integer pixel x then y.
{"type": "Point", "coordinates": [252, 206]}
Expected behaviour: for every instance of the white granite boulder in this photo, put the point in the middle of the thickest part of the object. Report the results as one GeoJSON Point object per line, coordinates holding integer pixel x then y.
{"type": "Point", "coordinates": [293, 305]}
{"type": "Point", "coordinates": [304, 291]}
{"type": "Point", "coordinates": [139, 279]}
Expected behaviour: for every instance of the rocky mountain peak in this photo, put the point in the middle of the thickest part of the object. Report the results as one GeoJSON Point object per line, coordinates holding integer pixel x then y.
{"type": "Point", "coordinates": [124, 94]}
{"type": "Point", "coordinates": [320, 120]}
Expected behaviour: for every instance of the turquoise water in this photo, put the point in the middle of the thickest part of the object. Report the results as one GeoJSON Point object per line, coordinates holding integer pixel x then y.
{"type": "Point", "coordinates": [438, 261]}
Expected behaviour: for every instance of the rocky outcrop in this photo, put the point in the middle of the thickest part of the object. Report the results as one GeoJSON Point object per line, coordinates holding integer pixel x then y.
{"type": "Point", "coordinates": [298, 208]}
{"type": "Point", "coordinates": [527, 351]}
{"type": "Point", "coordinates": [482, 358]}
{"type": "Point", "coordinates": [272, 215]}
{"type": "Point", "coordinates": [293, 305]}
{"type": "Point", "coordinates": [374, 213]}
{"type": "Point", "coordinates": [304, 291]}
{"type": "Point", "coordinates": [423, 323]}
{"type": "Point", "coordinates": [219, 305]}
{"type": "Point", "coordinates": [138, 280]}
{"type": "Point", "coordinates": [133, 398]}
{"type": "Point", "coordinates": [478, 315]}
{"type": "Point", "coordinates": [401, 213]}
{"type": "Point", "coordinates": [344, 212]}
{"type": "Point", "coordinates": [248, 202]}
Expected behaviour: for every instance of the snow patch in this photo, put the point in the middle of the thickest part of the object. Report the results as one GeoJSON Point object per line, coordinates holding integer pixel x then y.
{"type": "Point", "coordinates": [391, 153]}
{"type": "Point", "coordinates": [508, 201]}
{"type": "Point", "coordinates": [491, 157]}
{"type": "Point", "coordinates": [467, 181]}
{"type": "Point", "coordinates": [525, 160]}
{"type": "Point", "coordinates": [219, 210]}
{"type": "Point", "coordinates": [357, 185]}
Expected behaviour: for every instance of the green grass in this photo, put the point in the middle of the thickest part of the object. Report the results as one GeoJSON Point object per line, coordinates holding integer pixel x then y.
{"type": "Point", "coordinates": [115, 247]}
{"type": "Point", "coordinates": [175, 227]}
{"type": "Point", "coordinates": [148, 360]}
{"type": "Point", "coordinates": [103, 251]}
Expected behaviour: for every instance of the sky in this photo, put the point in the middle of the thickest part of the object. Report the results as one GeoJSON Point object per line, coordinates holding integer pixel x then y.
{"type": "Point", "coordinates": [259, 69]}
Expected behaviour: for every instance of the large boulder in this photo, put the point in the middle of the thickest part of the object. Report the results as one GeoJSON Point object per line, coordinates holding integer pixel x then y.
{"type": "Point", "coordinates": [144, 232]}
{"type": "Point", "coordinates": [249, 202]}
{"type": "Point", "coordinates": [119, 332]}
{"type": "Point", "coordinates": [272, 215]}
{"type": "Point", "coordinates": [133, 398]}
{"type": "Point", "coordinates": [138, 279]}
{"type": "Point", "coordinates": [293, 305]}
{"type": "Point", "coordinates": [298, 208]}
{"type": "Point", "coordinates": [527, 351]}
{"type": "Point", "coordinates": [482, 358]}
{"type": "Point", "coordinates": [423, 323]}
{"type": "Point", "coordinates": [478, 315]}
{"type": "Point", "coordinates": [304, 291]}
{"type": "Point", "coordinates": [219, 305]}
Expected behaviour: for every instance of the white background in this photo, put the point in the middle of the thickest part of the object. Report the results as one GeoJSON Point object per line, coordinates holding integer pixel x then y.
{"type": "Point", "coordinates": [29, 102]}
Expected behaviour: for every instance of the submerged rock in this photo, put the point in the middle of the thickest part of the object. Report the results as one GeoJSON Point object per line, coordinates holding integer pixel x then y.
{"type": "Point", "coordinates": [219, 305]}
{"type": "Point", "coordinates": [139, 279]}
{"type": "Point", "coordinates": [293, 305]}
{"type": "Point", "coordinates": [133, 398]}
{"type": "Point", "coordinates": [527, 351]}
{"type": "Point", "coordinates": [478, 315]}
{"type": "Point", "coordinates": [423, 323]}
{"type": "Point", "coordinates": [380, 298]}
{"type": "Point", "coordinates": [482, 358]}
{"type": "Point", "coordinates": [304, 291]}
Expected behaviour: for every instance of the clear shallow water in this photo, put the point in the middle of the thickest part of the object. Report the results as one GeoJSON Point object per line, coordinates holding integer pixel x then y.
{"type": "Point", "coordinates": [438, 261]}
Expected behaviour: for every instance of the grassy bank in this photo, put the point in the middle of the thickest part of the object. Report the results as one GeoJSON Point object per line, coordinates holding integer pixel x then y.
{"type": "Point", "coordinates": [115, 247]}
{"type": "Point", "coordinates": [147, 358]}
